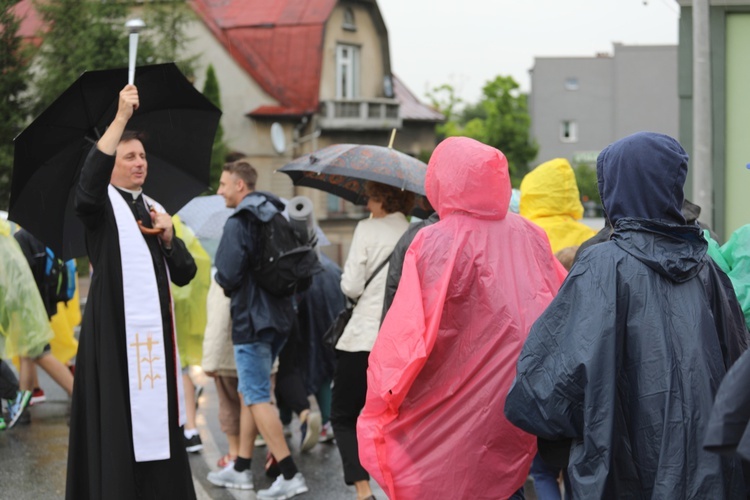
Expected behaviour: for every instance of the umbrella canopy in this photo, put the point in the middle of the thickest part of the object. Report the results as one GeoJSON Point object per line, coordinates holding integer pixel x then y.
{"type": "Point", "coordinates": [343, 170]}
{"type": "Point", "coordinates": [179, 124]}
{"type": "Point", "coordinates": [206, 216]}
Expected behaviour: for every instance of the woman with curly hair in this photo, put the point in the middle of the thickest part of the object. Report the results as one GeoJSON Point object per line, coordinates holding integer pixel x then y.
{"type": "Point", "coordinates": [372, 245]}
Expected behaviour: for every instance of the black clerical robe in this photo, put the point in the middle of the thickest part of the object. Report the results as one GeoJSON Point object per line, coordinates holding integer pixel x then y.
{"type": "Point", "coordinates": [101, 460]}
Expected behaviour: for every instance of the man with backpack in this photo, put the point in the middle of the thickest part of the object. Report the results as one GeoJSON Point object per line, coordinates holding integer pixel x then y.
{"type": "Point", "coordinates": [251, 268]}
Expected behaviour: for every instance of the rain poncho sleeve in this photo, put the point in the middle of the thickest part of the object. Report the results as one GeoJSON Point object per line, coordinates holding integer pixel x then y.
{"type": "Point", "coordinates": [24, 325]}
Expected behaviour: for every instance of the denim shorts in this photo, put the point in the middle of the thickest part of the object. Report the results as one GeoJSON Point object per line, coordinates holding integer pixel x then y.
{"type": "Point", "coordinates": [254, 362]}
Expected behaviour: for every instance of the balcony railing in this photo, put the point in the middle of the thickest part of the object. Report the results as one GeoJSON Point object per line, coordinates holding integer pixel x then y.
{"type": "Point", "coordinates": [359, 114]}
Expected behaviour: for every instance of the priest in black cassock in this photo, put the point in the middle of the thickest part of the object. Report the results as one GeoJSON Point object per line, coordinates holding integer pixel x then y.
{"type": "Point", "coordinates": [125, 435]}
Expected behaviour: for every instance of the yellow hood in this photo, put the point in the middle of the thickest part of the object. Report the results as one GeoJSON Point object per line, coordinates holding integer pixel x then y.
{"type": "Point", "coordinates": [550, 199]}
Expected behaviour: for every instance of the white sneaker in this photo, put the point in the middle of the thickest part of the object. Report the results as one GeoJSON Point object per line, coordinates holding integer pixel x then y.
{"type": "Point", "coordinates": [285, 488]}
{"type": "Point", "coordinates": [230, 478]}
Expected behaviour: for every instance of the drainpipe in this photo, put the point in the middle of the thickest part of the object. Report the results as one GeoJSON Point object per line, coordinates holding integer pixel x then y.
{"type": "Point", "coordinates": [701, 163]}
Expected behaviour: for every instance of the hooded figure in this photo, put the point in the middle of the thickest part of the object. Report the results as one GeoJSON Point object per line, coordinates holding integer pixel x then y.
{"type": "Point", "coordinates": [627, 359]}
{"type": "Point", "coordinates": [472, 285]}
{"type": "Point", "coordinates": [550, 199]}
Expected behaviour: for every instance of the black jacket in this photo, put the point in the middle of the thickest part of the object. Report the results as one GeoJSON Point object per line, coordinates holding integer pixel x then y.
{"type": "Point", "coordinates": [253, 309]}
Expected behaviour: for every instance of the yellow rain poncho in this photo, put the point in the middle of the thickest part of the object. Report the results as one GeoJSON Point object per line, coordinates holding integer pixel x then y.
{"type": "Point", "coordinates": [550, 199]}
{"type": "Point", "coordinates": [64, 345]}
{"type": "Point", "coordinates": [24, 327]}
{"type": "Point", "coordinates": [190, 300]}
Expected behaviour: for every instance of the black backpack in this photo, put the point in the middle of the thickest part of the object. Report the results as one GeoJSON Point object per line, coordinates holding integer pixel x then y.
{"type": "Point", "coordinates": [286, 264]}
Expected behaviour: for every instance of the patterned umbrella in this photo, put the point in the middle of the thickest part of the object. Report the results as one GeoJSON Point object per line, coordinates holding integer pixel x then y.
{"type": "Point", "coordinates": [343, 170]}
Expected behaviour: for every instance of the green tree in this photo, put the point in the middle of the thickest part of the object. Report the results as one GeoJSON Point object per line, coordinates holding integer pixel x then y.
{"type": "Point", "coordinates": [588, 186]}
{"type": "Point", "coordinates": [87, 35]}
{"type": "Point", "coordinates": [507, 125]}
{"type": "Point", "coordinates": [500, 119]}
{"type": "Point", "coordinates": [14, 65]}
{"type": "Point", "coordinates": [220, 149]}
{"type": "Point", "coordinates": [444, 99]}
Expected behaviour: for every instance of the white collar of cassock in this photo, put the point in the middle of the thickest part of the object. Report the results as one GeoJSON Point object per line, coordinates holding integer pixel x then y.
{"type": "Point", "coordinates": [135, 193]}
{"type": "Point", "coordinates": [147, 371]}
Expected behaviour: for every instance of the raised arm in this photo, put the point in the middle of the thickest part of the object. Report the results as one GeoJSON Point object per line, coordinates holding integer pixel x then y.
{"type": "Point", "coordinates": [91, 192]}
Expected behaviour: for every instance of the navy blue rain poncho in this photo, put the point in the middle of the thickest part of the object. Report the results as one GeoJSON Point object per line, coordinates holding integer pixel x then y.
{"type": "Point", "coordinates": [628, 357]}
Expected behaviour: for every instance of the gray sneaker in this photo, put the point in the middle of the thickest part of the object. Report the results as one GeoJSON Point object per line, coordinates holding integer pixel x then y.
{"type": "Point", "coordinates": [230, 478]}
{"type": "Point", "coordinates": [17, 407]}
{"type": "Point", "coordinates": [285, 488]}
{"type": "Point", "coordinates": [310, 431]}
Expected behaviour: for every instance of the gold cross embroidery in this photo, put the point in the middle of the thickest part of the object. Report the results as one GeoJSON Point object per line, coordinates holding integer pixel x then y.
{"type": "Point", "coordinates": [149, 344]}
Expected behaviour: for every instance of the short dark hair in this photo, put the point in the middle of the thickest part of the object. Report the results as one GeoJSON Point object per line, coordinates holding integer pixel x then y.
{"type": "Point", "coordinates": [244, 171]}
{"type": "Point", "coordinates": [130, 135]}
{"type": "Point", "coordinates": [392, 198]}
{"type": "Point", "coordinates": [234, 156]}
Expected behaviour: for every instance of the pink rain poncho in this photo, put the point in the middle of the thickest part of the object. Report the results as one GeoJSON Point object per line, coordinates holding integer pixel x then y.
{"type": "Point", "coordinates": [472, 285]}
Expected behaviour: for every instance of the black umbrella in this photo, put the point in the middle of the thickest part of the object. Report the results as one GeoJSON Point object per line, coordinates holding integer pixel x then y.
{"type": "Point", "coordinates": [343, 170]}
{"type": "Point", "coordinates": [179, 124]}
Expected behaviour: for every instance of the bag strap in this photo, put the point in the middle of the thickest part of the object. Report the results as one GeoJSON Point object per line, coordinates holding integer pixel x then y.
{"type": "Point", "coordinates": [374, 273]}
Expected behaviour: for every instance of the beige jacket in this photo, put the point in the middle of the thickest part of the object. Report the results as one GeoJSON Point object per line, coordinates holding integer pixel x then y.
{"type": "Point", "coordinates": [372, 243]}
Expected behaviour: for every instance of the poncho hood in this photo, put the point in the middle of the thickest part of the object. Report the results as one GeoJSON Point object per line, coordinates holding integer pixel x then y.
{"type": "Point", "coordinates": [480, 188]}
{"type": "Point", "coordinates": [549, 190]}
{"type": "Point", "coordinates": [675, 251]}
{"type": "Point", "coordinates": [550, 199]}
{"type": "Point", "coordinates": [642, 176]}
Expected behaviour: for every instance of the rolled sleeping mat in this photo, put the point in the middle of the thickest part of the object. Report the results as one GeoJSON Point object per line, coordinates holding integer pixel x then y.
{"type": "Point", "coordinates": [302, 217]}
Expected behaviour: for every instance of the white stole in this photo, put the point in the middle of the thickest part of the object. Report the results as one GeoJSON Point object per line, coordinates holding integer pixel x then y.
{"type": "Point", "coordinates": [147, 372]}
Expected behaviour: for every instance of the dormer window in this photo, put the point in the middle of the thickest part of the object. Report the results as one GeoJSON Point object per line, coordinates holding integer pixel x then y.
{"type": "Point", "coordinates": [347, 71]}
{"type": "Point", "coordinates": [349, 23]}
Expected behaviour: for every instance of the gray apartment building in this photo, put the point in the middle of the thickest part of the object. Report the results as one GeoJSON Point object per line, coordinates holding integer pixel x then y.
{"type": "Point", "coordinates": [579, 105]}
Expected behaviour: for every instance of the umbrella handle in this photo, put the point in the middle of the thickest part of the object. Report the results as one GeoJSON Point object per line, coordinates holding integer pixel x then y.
{"type": "Point", "coordinates": [150, 231]}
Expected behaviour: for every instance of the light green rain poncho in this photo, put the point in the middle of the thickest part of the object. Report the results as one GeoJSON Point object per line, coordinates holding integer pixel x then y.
{"type": "Point", "coordinates": [24, 326]}
{"type": "Point", "coordinates": [733, 257]}
{"type": "Point", "coordinates": [190, 300]}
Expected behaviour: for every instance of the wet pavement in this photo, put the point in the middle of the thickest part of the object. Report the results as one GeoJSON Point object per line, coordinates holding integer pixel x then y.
{"type": "Point", "coordinates": [33, 456]}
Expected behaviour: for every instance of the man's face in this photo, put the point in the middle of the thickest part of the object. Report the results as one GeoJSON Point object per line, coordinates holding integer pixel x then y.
{"type": "Point", "coordinates": [230, 187]}
{"type": "Point", "coordinates": [131, 166]}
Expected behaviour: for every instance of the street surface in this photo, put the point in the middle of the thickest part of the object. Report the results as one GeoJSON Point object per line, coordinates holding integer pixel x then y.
{"type": "Point", "coordinates": [33, 456]}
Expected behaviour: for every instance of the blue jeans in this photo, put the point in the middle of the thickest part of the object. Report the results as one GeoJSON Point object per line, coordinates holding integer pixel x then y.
{"type": "Point", "coordinates": [254, 363]}
{"type": "Point", "coordinates": [545, 479]}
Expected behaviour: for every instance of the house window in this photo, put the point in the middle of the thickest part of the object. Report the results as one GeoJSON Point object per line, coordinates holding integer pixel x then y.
{"type": "Point", "coordinates": [571, 83]}
{"type": "Point", "coordinates": [347, 72]}
{"type": "Point", "coordinates": [349, 24]}
{"type": "Point", "coordinates": [568, 131]}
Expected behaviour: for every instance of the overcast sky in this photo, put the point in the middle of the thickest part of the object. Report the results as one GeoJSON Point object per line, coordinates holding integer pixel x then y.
{"type": "Point", "coordinates": [468, 42]}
